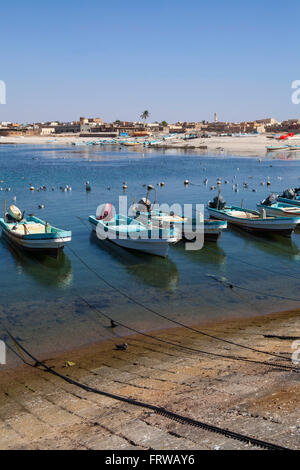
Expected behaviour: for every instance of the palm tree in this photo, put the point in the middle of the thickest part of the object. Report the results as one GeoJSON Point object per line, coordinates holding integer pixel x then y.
{"type": "Point", "coordinates": [145, 115]}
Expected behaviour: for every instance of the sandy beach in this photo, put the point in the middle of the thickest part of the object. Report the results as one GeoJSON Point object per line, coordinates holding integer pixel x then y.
{"type": "Point", "coordinates": [246, 146]}
{"type": "Point", "coordinates": [41, 411]}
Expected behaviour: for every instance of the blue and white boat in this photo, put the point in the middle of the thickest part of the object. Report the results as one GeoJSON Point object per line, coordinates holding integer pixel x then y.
{"type": "Point", "coordinates": [280, 209]}
{"type": "Point", "coordinates": [254, 221]}
{"type": "Point", "coordinates": [33, 234]}
{"type": "Point", "coordinates": [212, 228]}
{"type": "Point", "coordinates": [134, 235]}
{"type": "Point", "coordinates": [293, 202]}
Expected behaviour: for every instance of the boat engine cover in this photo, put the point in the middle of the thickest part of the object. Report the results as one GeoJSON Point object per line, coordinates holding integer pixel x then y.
{"type": "Point", "coordinates": [289, 193]}
{"type": "Point", "coordinates": [217, 203]}
{"type": "Point", "coordinates": [15, 213]}
{"type": "Point", "coordinates": [270, 199]}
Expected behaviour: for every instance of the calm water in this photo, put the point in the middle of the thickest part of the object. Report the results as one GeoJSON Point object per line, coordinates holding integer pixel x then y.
{"type": "Point", "coordinates": [39, 297]}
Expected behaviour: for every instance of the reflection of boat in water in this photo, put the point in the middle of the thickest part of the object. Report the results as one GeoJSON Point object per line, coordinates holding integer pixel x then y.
{"type": "Point", "coordinates": [210, 253]}
{"type": "Point", "coordinates": [274, 245]}
{"type": "Point", "coordinates": [43, 269]}
{"type": "Point", "coordinates": [152, 271]}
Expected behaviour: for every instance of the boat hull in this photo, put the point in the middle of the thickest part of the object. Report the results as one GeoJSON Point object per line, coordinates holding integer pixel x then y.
{"type": "Point", "coordinates": [280, 212]}
{"type": "Point", "coordinates": [51, 248]}
{"type": "Point", "coordinates": [157, 247]}
{"type": "Point", "coordinates": [293, 202]}
{"type": "Point", "coordinates": [212, 231]}
{"type": "Point", "coordinates": [276, 225]}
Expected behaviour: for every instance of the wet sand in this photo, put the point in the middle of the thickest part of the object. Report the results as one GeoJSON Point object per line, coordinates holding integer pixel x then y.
{"type": "Point", "coordinates": [40, 411]}
{"type": "Point", "coordinates": [245, 146]}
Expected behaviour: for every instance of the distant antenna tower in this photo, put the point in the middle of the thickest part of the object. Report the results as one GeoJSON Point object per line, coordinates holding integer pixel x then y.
{"type": "Point", "coordinates": [215, 117]}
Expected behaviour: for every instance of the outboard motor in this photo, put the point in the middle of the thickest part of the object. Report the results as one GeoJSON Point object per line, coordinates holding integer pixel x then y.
{"type": "Point", "coordinates": [270, 199]}
{"type": "Point", "coordinates": [289, 193]}
{"type": "Point", "coordinates": [217, 203]}
{"type": "Point", "coordinates": [144, 205]}
{"type": "Point", "coordinates": [14, 214]}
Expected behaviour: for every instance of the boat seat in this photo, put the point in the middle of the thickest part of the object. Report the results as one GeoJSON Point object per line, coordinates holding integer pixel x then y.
{"type": "Point", "coordinates": [126, 228]}
{"type": "Point", "coordinates": [32, 228]}
{"type": "Point", "coordinates": [243, 215]}
{"type": "Point", "coordinates": [291, 209]}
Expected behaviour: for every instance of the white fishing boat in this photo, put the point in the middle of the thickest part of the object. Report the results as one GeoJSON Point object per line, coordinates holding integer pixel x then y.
{"type": "Point", "coordinates": [132, 234]}
{"type": "Point", "coordinates": [254, 221]}
{"type": "Point", "coordinates": [32, 233]}
{"type": "Point", "coordinates": [187, 226]}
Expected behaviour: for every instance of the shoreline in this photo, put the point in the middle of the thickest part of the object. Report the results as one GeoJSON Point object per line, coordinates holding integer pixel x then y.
{"type": "Point", "coordinates": [253, 399]}
{"type": "Point", "coordinates": [243, 146]}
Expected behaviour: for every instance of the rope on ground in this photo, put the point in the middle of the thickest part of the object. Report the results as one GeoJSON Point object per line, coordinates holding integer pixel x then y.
{"type": "Point", "coordinates": [156, 409]}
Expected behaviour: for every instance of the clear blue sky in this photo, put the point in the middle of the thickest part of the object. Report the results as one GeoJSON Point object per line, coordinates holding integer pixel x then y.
{"type": "Point", "coordinates": [181, 60]}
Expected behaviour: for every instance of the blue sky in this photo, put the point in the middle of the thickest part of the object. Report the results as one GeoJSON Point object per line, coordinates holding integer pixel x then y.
{"type": "Point", "coordinates": [180, 60]}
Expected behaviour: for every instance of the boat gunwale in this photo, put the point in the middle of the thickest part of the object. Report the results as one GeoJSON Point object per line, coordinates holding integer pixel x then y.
{"type": "Point", "coordinates": [259, 219]}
